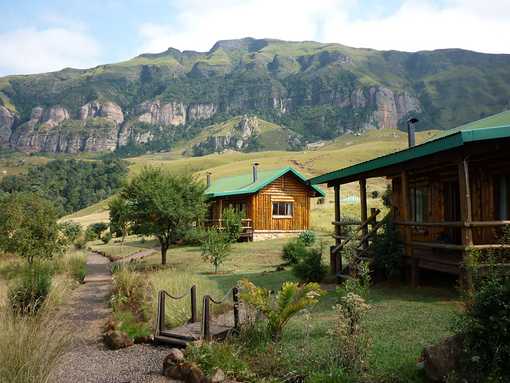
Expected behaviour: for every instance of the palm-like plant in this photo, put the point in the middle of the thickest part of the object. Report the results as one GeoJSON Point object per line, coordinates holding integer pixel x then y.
{"type": "Point", "coordinates": [279, 308]}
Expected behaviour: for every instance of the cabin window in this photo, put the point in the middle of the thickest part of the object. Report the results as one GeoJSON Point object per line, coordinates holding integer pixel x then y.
{"type": "Point", "coordinates": [419, 204]}
{"type": "Point", "coordinates": [282, 209]}
{"type": "Point", "coordinates": [503, 197]}
{"type": "Point", "coordinates": [239, 207]}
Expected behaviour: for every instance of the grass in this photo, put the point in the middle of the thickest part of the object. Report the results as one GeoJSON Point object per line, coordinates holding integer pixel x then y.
{"type": "Point", "coordinates": [132, 244]}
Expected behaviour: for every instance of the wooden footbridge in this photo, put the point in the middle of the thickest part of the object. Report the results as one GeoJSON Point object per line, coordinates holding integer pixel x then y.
{"type": "Point", "coordinates": [209, 327]}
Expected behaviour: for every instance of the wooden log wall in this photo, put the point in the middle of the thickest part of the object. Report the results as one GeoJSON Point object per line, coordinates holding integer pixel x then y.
{"type": "Point", "coordinates": [285, 188]}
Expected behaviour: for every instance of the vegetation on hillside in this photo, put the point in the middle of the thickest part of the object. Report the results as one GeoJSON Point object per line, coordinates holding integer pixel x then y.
{"type": "Point", "coordinates": [71, 184]}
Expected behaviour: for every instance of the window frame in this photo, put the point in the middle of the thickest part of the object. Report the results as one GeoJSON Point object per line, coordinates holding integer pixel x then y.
{"type": "Point", "coordinates": [288, 205]}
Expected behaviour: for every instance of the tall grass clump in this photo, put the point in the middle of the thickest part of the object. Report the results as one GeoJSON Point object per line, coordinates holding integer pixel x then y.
{"type": "Point", "coordinates": [30, 345]}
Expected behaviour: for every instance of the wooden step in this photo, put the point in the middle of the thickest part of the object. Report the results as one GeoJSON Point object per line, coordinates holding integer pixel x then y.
{"type": "Point", "coordinates": [170, 341]}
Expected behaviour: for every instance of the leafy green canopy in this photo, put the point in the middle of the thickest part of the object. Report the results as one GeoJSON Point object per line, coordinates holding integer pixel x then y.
{"type": "Point", "coordinates": [72, 185]}
{"type": "Point", "coordinates": [164, 205]}
{"type": "Point", "coordinates": [28, 227]}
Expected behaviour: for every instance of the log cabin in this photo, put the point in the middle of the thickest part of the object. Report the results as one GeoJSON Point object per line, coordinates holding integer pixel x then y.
{"type": "Point", "coordinates": [450, 195]}
{"type": "Point", "coordinates": [275, 203]}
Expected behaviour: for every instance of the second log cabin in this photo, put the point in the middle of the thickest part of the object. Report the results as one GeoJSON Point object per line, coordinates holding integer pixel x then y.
{"type": "Point", "coordinates": [274, 203]}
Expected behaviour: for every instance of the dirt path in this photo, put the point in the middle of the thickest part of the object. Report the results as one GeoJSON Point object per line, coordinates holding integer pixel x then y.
{"type": "Point", "coordinates": [137, 256]}
{"type": "Point", "coordinates": [87, 361]}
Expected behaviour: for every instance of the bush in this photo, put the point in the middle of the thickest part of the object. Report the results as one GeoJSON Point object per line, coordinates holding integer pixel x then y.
{"type": "Point", "coordinates": [293, 251]}
{"type": "Point", "coordinates": [71, 230]}
{"type": "Point", "coordinates": [485, 327]}
{"type": "Point", "coordinates": [308, 237]}
{"type": "Point", "coordinates": [98, 228]}
{"type": "Point", "coordinates": [232, 224]}
{"type": "Point", "coordinates": [80, 243]}
{"type": "Point", "coordinates": [90, 235]}
{"type": "Point", "coordinates": [30, 291]}
{"type": "Point", "coordinates": [310, 268]}
{"type": "Point", "coordinates": [77, 267]}
{"type": "Point", "coordinates": [388, 253]}
{"type": "Point", "coordinates": [106, 238]}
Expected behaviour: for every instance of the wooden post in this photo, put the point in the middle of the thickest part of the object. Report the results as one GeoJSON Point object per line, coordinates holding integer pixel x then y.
{"type": "Point", "coordinates": [206, 329]}
{"type": "Point", "coordinates": [193, 304]}
{"type": "Point", "coordinates": [364, 209]}
{"type": "Point", "coordinates": [220, 213]}
{"type": "Point", "coordinates": [161, 311]}
{"type": "Point", "coordinates": [406, 213]}
{"type": "Point", "coordinates": [235, 298]}
{"type": "Point", "coordinates": [336, 257]}
{"type": "Point", "coordinates": [466, 217]}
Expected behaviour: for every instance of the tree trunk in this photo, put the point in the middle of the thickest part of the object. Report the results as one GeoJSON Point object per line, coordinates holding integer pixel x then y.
{"type": "Point", "coordinates": [163, 254]}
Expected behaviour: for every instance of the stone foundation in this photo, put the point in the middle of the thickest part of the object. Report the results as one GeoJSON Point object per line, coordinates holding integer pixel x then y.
{"type": "Point", "coordinates": [268, 234]}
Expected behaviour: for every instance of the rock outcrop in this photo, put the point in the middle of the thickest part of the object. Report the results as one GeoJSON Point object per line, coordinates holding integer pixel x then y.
{"type": "Point", "coordinates": [109, 110]}
{"type": "Point", "coordinates": [173, 113]}
{"type": "Point", "coordinates": [7, 121]}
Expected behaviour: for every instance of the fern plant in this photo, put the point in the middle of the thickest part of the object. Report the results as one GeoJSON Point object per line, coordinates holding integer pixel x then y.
{"type": "Point", "coordinates": [279, 308]}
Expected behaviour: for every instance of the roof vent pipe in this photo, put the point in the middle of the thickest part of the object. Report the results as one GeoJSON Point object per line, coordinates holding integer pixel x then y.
{"type": "Point", "coordinates": [410, 131]}
{"type": "Point", "coordinates": [255, 172]}
{"type": "Point", "coordinates": [208, 175]}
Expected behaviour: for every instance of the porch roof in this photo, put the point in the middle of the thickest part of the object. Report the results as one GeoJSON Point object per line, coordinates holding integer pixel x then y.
{"type": "Point", "coordinates": [243, 184]}
{"type": "Point", "coordinates": [481, 130]}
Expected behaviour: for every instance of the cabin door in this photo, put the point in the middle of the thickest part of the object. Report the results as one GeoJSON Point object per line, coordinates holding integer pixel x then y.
{"type": "Point", "coordinates": [452, 210]}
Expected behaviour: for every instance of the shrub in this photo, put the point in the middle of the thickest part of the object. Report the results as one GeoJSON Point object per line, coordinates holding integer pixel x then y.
{"type": "Point", "coordinates": [485, 328]}
{"type": "Point", "coordinates": [106, 238]}
{"type": "Point", "coordinates": [310, 268]}
{"type": "Point", "coordinates": [90, 235]}
{"type": "Point", "coordinates": [131, 291]}
{"type": "Point", "coordinates": [232, 224]}
{"type": "Point", "coordinates": [216, 247]}
{"type": "Point", "coordinates": [293, 251]}
{"type": "Point", "coordinates": [80, 243]}
{"type": "Point", "coordinates": [308, 237]}
{"type": "Point", "coordinates": [358, 283]}
{"type": "Point", "coordinates": [280, 308]}
{"type": "Point", "coordinates": [31, 290]}
{"type": "Point", "coordinates": [350, 340]}
{"type": "Point", "coordinates": [388, 254]}
{"type": "Point", "coordinates": [98, 228]}
{"type": "Point", "coordinates": [71, 230]}
{"type": "Point", "coordinates": [211, 356]}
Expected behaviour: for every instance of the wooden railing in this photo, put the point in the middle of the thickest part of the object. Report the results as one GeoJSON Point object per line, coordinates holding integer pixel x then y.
{"type": "Point", "coordinates": [247, 223]}
{"type": "Point", "coordinates": [459, 224]}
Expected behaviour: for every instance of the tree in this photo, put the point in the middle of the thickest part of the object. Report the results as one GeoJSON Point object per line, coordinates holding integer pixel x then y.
{"type": "Point", "coordinates": [29, 228]}
{"type": "Point", "coordinates": [232, 224]}
{"type": "Point", "coordinates": [119, 216]}
{"type": "Point", "coordinates": [216, 247]}
{"type": "Point", "coordinates": [164, 205]}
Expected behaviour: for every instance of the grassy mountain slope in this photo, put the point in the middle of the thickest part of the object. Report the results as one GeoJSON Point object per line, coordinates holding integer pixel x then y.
{"type": "Point", "coordinates": [319, 90]}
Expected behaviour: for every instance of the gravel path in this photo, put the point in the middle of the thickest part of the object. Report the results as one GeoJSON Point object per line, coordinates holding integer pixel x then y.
{"type": "Point", "coordinates": [87, 360]}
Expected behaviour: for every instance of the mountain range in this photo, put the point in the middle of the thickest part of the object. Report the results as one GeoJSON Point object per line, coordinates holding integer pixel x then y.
{"type": "Point", "coordinates": [313, 91]}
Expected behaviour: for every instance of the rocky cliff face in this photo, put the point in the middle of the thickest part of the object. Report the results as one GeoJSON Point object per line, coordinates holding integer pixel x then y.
{"type": "Point", "coordinates": [318, 90]}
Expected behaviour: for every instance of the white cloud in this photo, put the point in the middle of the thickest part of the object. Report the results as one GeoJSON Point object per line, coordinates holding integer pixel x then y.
{"type": "Point", "coordinates": [31, 50]}
{"type": "Point", "coordinates": [415, 25]}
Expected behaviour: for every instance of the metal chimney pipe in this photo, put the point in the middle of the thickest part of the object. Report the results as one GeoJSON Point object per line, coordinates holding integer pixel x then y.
{"type": "Point", "coordinates": [411, 140]}
{"type": "Point", "coordinates": [208, 175]}
{"type": "Point", "coordinates": [255, 172]}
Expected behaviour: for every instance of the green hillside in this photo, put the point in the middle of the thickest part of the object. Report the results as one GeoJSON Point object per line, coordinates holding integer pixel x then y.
{"type": "Point", "coordinates": [320, 91]}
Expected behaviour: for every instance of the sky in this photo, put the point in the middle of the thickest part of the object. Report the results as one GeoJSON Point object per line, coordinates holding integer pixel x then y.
{"type": "Point", "coordinates": [47, 35]}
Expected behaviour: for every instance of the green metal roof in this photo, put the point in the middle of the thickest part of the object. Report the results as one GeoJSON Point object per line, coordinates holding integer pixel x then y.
{"type": "Point", "coordinates": [243, 184]}
{"type": "Point", "coordinates": [450, 139]}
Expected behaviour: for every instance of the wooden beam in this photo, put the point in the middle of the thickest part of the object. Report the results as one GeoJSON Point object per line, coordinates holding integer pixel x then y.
{"type": "Point", "coordinates": [430, 224]}
{"type": "Point", "coordinates": [466, 217]}
{"type": "Point", "coordinates": [406, 215]}
{"type": "Point", "coordinates": [335, 257]}
{"type": "Point", "coordinates": [435, 245]}
{"type": "Point", "coordinates": [364, 209]}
